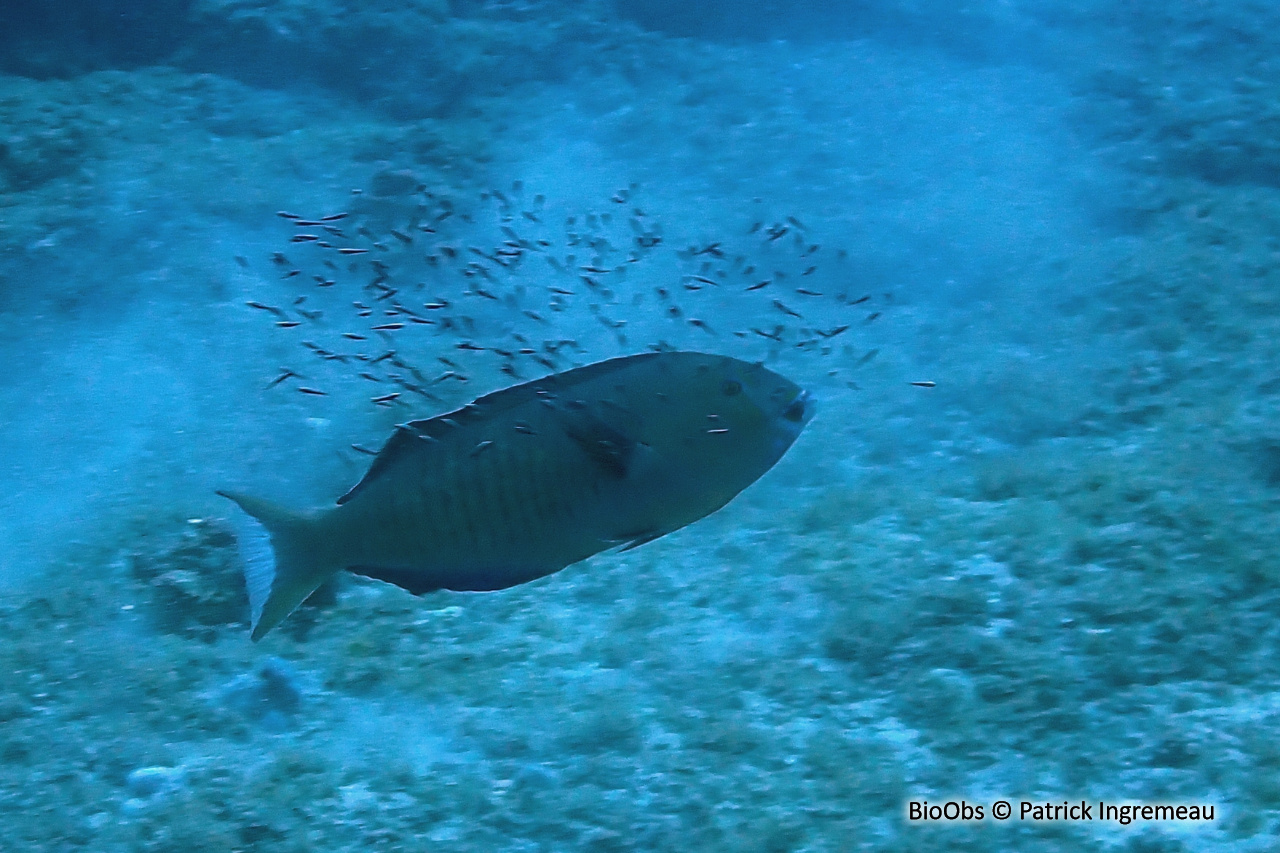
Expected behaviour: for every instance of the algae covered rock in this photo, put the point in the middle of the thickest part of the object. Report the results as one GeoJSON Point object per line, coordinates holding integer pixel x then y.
{"type": "Point", "coordinates": [410, 59]}
{"type": "Point", "coordinates": [44, 134]}
{"type": "Point", "coordinates": [194, 581]}
{"type": "Point", "coordinates": [48, 38]}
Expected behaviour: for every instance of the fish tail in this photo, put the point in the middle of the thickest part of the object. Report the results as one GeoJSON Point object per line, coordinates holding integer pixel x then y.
{"type": "Point", "coordinates": [284, 560]}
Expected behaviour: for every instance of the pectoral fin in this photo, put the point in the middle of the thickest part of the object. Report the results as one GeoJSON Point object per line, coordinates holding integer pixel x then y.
{"type": "Point", "coordinates": [608, 447]}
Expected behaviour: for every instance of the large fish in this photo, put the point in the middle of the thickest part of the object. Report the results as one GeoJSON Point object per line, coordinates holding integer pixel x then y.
{"type": "Point", "coordinates": [527, 480]}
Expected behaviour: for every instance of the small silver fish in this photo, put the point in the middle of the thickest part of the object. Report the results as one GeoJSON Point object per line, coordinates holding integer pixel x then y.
{"type": "Point", "coordinates": [527, 480]}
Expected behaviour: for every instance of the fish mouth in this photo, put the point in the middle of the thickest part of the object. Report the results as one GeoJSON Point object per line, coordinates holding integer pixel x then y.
{"type": "Point", "coordinates": [801, 408]}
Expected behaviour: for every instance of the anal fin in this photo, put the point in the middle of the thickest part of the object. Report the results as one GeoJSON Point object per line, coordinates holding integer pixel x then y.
{"type": "Point", "coordinates": [406, 579]}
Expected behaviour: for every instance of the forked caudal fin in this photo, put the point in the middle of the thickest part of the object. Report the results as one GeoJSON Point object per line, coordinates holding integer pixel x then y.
{"type": "Point", "coordinates": [284, 560]}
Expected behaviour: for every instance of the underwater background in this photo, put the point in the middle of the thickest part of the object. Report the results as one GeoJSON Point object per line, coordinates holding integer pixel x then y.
{"type": "Point", "coordinates": [1046, 572]}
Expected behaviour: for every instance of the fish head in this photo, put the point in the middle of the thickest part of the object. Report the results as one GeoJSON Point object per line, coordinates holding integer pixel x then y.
{"type": "Point", "coordinates": [767, 411]}
{"type": "Point", "coordinates": [707, 427]}
{"type": "Point", "coordinates": [741, 418]}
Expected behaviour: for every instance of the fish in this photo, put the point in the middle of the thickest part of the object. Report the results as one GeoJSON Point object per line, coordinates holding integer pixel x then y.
{"type": "Point", "coordinates": [524, 481]}
{"type": "Point", "coordinates": [285, 373]}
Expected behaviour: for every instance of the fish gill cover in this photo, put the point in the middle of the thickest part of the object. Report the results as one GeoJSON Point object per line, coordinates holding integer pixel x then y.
{"type": "Point", "coordinates": [1045, 573]}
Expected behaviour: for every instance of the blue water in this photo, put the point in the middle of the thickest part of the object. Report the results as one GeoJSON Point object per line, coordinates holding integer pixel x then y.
{"type": "Point", "coordinates": [1044, 573]}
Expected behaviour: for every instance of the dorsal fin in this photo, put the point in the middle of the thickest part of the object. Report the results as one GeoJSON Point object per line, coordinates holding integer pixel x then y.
{"type": "Point", "coordinates": [407, 436]}
{"type": "Point", "coordinates": [402, 440]}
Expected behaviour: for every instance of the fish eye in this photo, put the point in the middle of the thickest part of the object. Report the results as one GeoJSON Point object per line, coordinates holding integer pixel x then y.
{"type": "Point", "coordinates": [731, 387]}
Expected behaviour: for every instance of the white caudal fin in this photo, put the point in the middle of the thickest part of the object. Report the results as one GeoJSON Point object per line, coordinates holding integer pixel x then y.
{"type": "Point", "coordinates": [284, 560]}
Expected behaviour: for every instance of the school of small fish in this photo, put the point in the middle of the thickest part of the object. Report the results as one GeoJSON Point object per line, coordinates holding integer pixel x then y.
{"type": "Point", "coordinates": [390, 279]}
